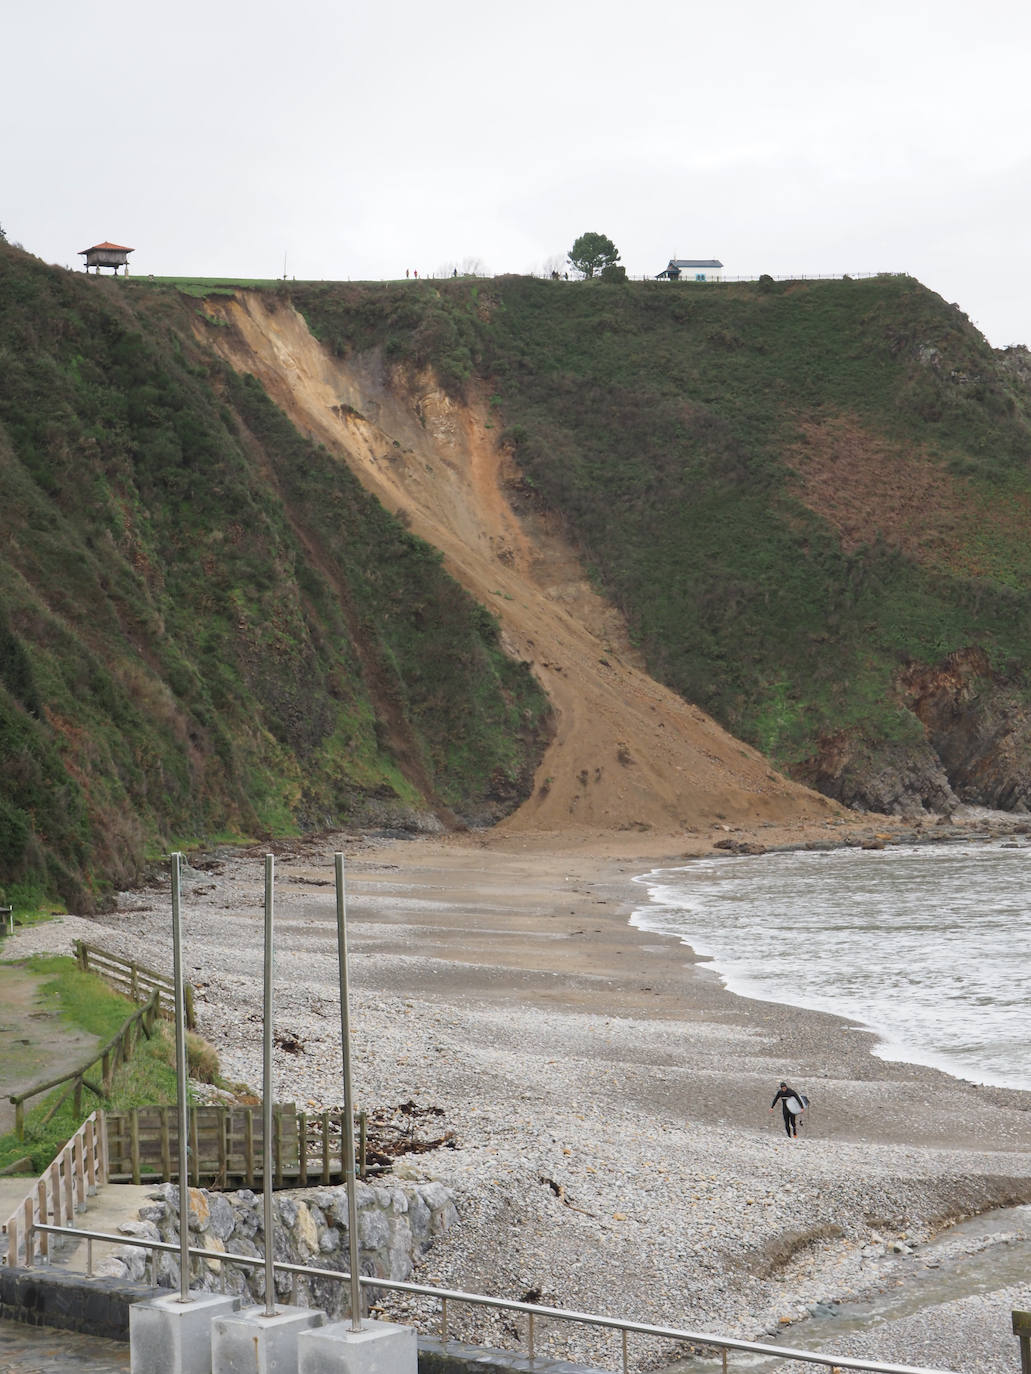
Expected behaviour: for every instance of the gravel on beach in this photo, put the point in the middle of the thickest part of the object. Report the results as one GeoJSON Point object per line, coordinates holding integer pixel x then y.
{"type": "Point", "coordinates": [615, 1151]}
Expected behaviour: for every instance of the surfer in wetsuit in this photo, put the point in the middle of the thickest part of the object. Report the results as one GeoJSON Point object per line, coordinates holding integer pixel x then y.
{"type": "Point", "coordinates": [786, 1095]}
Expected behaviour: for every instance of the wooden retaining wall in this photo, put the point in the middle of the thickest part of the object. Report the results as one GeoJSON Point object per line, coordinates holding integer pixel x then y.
{"type": "Point", "coordinates": [225, 1146]}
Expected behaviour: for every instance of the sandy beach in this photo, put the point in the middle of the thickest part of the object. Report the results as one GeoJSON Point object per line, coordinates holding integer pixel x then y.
{"type": "Point", "coordinates": [615, 1151]}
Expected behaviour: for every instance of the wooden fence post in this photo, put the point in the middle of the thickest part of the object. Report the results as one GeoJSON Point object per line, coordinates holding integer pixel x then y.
{"type": "Point", "coordinates": [30, 1233]}
{"type": "Point", "coordinates": [194, 1171]}
{"type": "Point", "coordinates": [1022, 1330]}
{"type": "Point", "coordinates": [55, 1193]}
{"type": "Point", "coordinates": [80, 1170]}
{"type": "Point", "coordinates": [325, 1149]}
{"type": "Point", "coordinates": [248, 1146]}
{"type": "Point", "coordinates": [19, 1120]}
{"type": "Point", "coordinates": [363, 1131]}
{"type": "Point", "coordinates": [302, 1148]}
{"type": "Point", "coordinates": [41, 1212]}
{"type": "Point", "coordinates": [102, 1144]}
{"type": "Point", "coordinates": [69, 1186]}
{"type": "Point", "coordinates": [91, 1164]}
{"type": "Point", "coordinates": [191, 1019]}
{"type": "Point", "coordinates": [166, 1146]}
{"type": "Point", "coordinates": [223, 1148]}
{"type": "Point", "coordinates": [134, 1143]}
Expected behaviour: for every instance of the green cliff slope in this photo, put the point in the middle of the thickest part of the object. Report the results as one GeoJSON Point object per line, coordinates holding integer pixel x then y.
{"type": "Point", "coordinates": [205, 625]}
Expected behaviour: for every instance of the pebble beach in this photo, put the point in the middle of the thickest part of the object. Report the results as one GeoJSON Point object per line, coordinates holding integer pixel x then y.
{"type": "Point", "coordinates": [613, 1146]}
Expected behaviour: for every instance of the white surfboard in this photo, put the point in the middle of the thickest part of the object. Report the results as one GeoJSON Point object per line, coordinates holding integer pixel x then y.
{"type": "Point", "coordinates": [793, 1105]}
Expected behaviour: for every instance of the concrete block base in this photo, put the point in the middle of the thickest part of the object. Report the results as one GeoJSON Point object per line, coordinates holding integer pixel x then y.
{"type": "Point", "coordinates": [252, 1343]}
{"type": "Point", "coordinates": [378, 1348]}
{"type": "Point", "coordinates": [167, 1336]}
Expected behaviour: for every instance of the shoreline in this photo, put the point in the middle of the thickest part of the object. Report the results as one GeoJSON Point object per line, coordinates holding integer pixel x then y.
{"type": "Point", "coordinates": [891, 1044]}
{"type": "Point", "coordinates": [498, 977]}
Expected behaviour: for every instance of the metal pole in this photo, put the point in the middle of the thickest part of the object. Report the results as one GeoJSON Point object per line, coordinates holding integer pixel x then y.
{"type": "Point", "coordinates": [347, 1144]}
{"type": "Point", "coordinates": [266, 1097]}
{"type": "Point", "coordinates": [181, 1079]}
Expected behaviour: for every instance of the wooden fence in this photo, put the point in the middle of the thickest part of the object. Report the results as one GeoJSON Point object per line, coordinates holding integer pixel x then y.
{"type": "Point", "coordinates": [115, 1052]}
{"type": "Point", "coordinates": [226, 1146]}
{"type": "Point", "coordinates": [59, 1192]}
{"type": "Point", "coordinates": [134, 980]}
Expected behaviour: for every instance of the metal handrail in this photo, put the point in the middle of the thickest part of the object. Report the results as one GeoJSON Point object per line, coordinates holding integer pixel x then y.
{"type": "Point", "coordinates": [531, 1310]}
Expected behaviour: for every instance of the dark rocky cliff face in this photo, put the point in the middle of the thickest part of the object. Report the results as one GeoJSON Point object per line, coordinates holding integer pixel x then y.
{"type": "Point", "coordinates": [978, 726]}
{"type": "Point", "coordinates": [976, 746]}
{"type": "Point", "coordinates": [897, 779]}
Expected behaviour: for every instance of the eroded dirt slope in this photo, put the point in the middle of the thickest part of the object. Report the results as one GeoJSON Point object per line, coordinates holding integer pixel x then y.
{"type": "Point", "coordinates": [628, 754]}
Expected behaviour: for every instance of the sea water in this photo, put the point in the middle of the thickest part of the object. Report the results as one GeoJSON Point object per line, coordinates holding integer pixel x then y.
{"type": "Point", "coordinates": [930, 947]}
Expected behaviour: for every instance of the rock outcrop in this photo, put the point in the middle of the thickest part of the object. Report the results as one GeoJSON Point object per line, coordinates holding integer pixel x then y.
{"type": "Point", "coordinates": [978, 726]}
{"type": "Point", "coordinates": [974, 749]}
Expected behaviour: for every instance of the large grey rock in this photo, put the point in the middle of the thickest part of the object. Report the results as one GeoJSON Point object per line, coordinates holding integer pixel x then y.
{"type": "Point", "coordinates": [222, 1217]}
{"type": "Point", "coordinates": [373, 1231]}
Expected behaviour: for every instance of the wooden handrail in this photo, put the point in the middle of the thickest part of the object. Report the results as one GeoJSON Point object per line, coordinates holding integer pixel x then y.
{"type": "Point", "coordinates": [126, 975]}
{"type": "Point", "coordinates": [78, 1171]}
{"type": "Point", "coordinates": [121, 1042]}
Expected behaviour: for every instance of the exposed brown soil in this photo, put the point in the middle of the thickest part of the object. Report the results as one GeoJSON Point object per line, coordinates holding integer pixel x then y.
{"type": "Point", "coordinates": [628, 755]}
{"type": "Point", "coordinates": [869, 489]}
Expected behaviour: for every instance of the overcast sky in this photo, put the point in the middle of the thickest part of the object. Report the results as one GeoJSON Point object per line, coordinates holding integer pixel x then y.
{"type": "Point", "coordinates": [221, 138]}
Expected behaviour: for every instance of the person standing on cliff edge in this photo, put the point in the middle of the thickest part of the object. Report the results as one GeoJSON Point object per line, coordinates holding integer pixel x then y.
{"type": "Point", "coordinates": [792, 1104]}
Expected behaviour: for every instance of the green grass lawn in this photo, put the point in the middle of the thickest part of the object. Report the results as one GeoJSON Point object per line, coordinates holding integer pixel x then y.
{"type": "Point", "coordinates": [87, 1003]}
{"type": "Point", "coordinates": [206, 286]}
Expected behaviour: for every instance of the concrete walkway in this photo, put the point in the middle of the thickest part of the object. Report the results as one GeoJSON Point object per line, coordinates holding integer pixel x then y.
{"type": "Point", "coordinates": [38, 1044]}
{"type": "Point", "coordinates": [12, 1190]}
{"type": "Point", "coordinates": [112, 1204]}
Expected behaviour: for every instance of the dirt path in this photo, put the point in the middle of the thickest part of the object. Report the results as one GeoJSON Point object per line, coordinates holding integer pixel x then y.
{"type": "Point", "coordinates": [628, 754]}
{"type": "Point", "coordinates": [37, 1044]}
